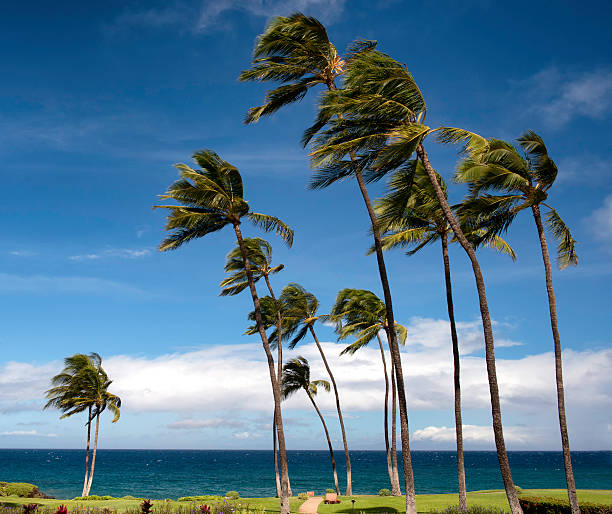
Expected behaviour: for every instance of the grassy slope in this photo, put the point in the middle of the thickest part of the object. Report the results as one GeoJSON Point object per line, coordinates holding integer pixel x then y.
{"type": "Point", "coordinates": [425, 502]}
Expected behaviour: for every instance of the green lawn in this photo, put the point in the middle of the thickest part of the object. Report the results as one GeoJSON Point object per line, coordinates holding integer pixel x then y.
{"type": "Point", "coordinates": [368, 504]}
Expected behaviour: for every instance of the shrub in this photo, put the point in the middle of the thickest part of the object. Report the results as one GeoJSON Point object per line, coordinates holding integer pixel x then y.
{"type": "Point", "coordinates": [204, 509]}
{"type": "Point", "coordinates": [543, 505]}
{"type": "Point", "coordinates": [95, 497]}
{"type": "Point", "coordinates": [232, 495]}
{"type": "Point", "coordinates": [202, 498]}
{"type": "Point", "coordinates": [146, 507]}
{"type": "Point", "coordinates": [20, 489]}
{"type": "Point", "coordinates": [62, 509]}
{"type": "Point", "coordinates": [330, 490]}
{"type": "Point", "coordinates": [3, 488]}
{"type": "Point", "coordinates": [302, 496]}
{"type": "Point", "coordinates": [31, 507]}
{"type": "Point", "coordinates": [384, 492]}
{"type": "Point", "coordinates": [474, 509]}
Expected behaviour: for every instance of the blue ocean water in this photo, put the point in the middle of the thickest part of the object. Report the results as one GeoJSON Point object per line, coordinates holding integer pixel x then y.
{"type": "Point", "coordinates": [174, 473]}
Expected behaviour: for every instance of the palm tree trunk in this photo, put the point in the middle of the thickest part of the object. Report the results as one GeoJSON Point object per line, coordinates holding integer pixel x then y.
{"type": "Point", "coordinates": [395, 488]}
{"type": "Point", "coordinates": [395, 353]}
{"type": "Point", "coordinates": [87, 452]}
{"type": "Point", "coordinates": [349, 488]}
{"type": "Point", "coordinates": [279, 363]}
{"type": "Point", "coordinates": [457, 381]}
{"type": "Point", "coordinates": [552, 306]}
{"type": "Point", "coordinates": [329, 444]}
{"type": "Point", "coordinates": [498, 431]}
{"type": "Point", "coordinates": [394, 431]}
{"type": "Point", "coordinates": [275, 383]}
{"type": "Point", "coordinates": [93, 454]}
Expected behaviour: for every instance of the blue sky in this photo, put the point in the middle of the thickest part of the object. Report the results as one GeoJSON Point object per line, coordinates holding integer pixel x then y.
{"type": "Point", "coordinates": [97, 104]}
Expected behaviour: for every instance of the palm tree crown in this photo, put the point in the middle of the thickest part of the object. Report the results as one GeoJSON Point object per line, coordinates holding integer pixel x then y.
{"type": "Point", "coordinates": [296, 376]}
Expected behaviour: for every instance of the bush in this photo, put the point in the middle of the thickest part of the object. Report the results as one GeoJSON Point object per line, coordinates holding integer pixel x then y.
{"type": "Point", "coordinates": [384, 492]}
{"type": "Point", "coordinates": [302, 496]}
{"type": "Point", "coordinates": [95, 497]}
{"type": "Point", "coordinates": [3, 488]}
{"type": "Point", "coordinates": [330, 490]}
{"type": "Point", "coordinates": [20, 489]}
{"type": "Point", "coordinates": [232, 495]}
{"type": "Point", "coordinates": [202, 498]}
{"type": "Point", "coordinates": [474, 509]}
{"type": "Point", "coordinates": [543, 505]}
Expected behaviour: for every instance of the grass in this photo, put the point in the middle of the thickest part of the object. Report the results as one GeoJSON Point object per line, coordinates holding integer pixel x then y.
{"type": "Point", "coordinates": [363, 503]}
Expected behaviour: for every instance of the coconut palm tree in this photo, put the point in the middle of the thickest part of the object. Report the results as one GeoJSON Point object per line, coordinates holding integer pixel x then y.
{"type": "Point", "coordinates": [296, 376]}
{"type": "Point", "coordinates": [361, 314]}
{"type": "Point", "coordinates": [83, 385]}
{"type": "Point", "coordinates": [300, 316]}
{"type": "Point", "coordinates": [377, 120]}
{"type": "Point", "coordinates": [259, 253]}
{"type": "Point", "coordinates": [522, 181]}
{"type": "Point", "coordinates": [411, 216]}
{"type": "Point", "coordinates": [210, 199]}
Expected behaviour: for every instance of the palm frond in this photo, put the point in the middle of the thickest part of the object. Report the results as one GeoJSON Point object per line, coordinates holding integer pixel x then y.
{"type": "Point", "coordinates": [566, 248]}
{"type": "Point", "coordinates": [271, 223]}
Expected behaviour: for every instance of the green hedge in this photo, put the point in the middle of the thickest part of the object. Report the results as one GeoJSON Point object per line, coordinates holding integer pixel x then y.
{"type": "Point", "coordinates": [544, 505]}
{"type": "Point", "coordinates": [20, 489]}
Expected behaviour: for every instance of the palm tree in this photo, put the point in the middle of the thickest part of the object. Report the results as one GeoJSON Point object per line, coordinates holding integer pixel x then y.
{"type": "Point", "coordinates": [259, 253]}
{"type": "Point", "coordinates": [411, 216]}
{"type": "Point", "coordinates": [210, 199]}
{"type": "Point", "coordinates": [300, 316]}
{"type": "Point", "coordinates": [523, 182]}
{"type": "Point", "coordinates": [361, 314]}
{"type": "Point", "coordinates": [83, 385]}
{"type": "Point", "coordinates": [378, 121]}
{"type": "Point", "coordinates": [296, 376]}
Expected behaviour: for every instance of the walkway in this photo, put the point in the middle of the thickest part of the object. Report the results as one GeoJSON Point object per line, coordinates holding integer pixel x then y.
{"type": "Point", "coordinates": [311, 505]}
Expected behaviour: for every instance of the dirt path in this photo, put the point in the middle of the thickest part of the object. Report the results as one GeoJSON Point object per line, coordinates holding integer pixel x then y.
{"type": "Point", "coordinates": [311, 505]}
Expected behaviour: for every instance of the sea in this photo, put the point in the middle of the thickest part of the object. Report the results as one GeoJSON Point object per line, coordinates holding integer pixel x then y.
{"type": "Point", "coordinates": [175, 473]}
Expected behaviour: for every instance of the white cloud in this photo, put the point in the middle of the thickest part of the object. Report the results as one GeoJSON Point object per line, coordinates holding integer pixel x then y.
{"type": "Point", "coordinates": [193, 424]}
{"type": "Point", "coordinates": [22, 253]}
{"type": "Point", "coordinates": [33, 433]}
{"type": "Point", "coordinates": [122, 253]}
{"type": "Point", "coordinates": [600, 221]}
{"type": "Point", "coordinates": [474, 434]}
{"type": "Point", "coordinates": [246, 435]}
{"type": "Point", "coordinates": [562, 96]}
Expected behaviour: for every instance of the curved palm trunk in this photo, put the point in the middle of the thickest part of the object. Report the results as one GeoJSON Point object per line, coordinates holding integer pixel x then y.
{"type": "Point", "coordinates": [275, 383]}
{"type": "Point", "coordinates": [498, 431]}
{"type": "Point", "coordinates": [457, 381]}
{"type": "Point", "coordinates": [552, 306]}
{"type": "Point", "coordinates": [87, 452]}
{"type": "Point", "coordinates": [394, 431]}
{"type": "Point", "coordinates": [279, 362]}
{"type": "Point", "coordinates": [395, 353]}
{"type": "Point", "coordinates": [331, 450]}
{"type": "Point", "coordinates": [93, 455]}
{"type": "Point", "coordinates": [395, 487]}
{"type": "Point", "coordinates": [349, 488]}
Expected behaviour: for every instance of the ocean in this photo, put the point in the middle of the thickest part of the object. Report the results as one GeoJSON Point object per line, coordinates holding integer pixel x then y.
{"type": "Point", "coordinates": [174, 473]}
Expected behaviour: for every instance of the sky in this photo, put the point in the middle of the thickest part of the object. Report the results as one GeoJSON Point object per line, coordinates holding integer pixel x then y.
{"type": "Point", "coordinates": [96, 105]}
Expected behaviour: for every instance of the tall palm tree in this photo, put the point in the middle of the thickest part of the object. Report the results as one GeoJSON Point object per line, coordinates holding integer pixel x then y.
{"type": "Point", "coordinates": [300, 316]}
{"type": "Point", "coordinates": [259, 253]}
{"type": "Point", "coordinates": [210, 199]}
{"type": "Point", "coordinates": [296, 376]}
{"type": "Point", "coordinates": [378, 121]}
{"type": "Point", "coordinates": [521, 182]}
{"type": "Point", "coordinates": [296, 51]}
{"type": "Point", "coordinates": [361, 314]}
{"type": "Point", "coordinates": [83, 385]}
{"type": "Point", "coordinates": [411, 216]}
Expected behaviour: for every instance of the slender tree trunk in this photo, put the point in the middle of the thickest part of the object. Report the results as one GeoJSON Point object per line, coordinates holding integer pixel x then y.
{"type": "Point", "coordinates": [395, 353]}
{"type": "Point", "coordinates": [457, 381]}
{"type": "Point", "coordinates": [498, 431]}
{"type": "Point", "coordinates": [279, 359]}
{"type": "Point", "coordinates": [349, 488]}
{"type": "Point", "coordinates": [93, 455]}
{"type": "Point", "coordinates": [394, 432]}
{"type": "Point", "coordinates": [87, 452]}
{"type": "Point", "coordinates": [329, 444]}
{"type": "Point", "coordinates": [275, 383]}
{"type": "Point", "coordinates": [552, 306]}
{"type": "Point", "coordinates": [386, 418]}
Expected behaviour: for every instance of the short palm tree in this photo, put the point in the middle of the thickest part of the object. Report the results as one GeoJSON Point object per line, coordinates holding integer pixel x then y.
{"type": "Point", "coordinates": [210, 199]}
{"type": "Point", "coordinates": [411, 216]}
{"type": "Point", "coordinates": [300, 316]}
{"type": "Point", "coordinates": [376, 122]}
{"type": "Point", "coordinates": [259, 252]}
{"type": "Point", "coordinates": [83, 386]}
{"type": "Point", "coordinates": [521, 181]}
{"type": "Point", "coordinates": [296, 376]}
{"type": "Point", "coordinates": [361, 314]}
